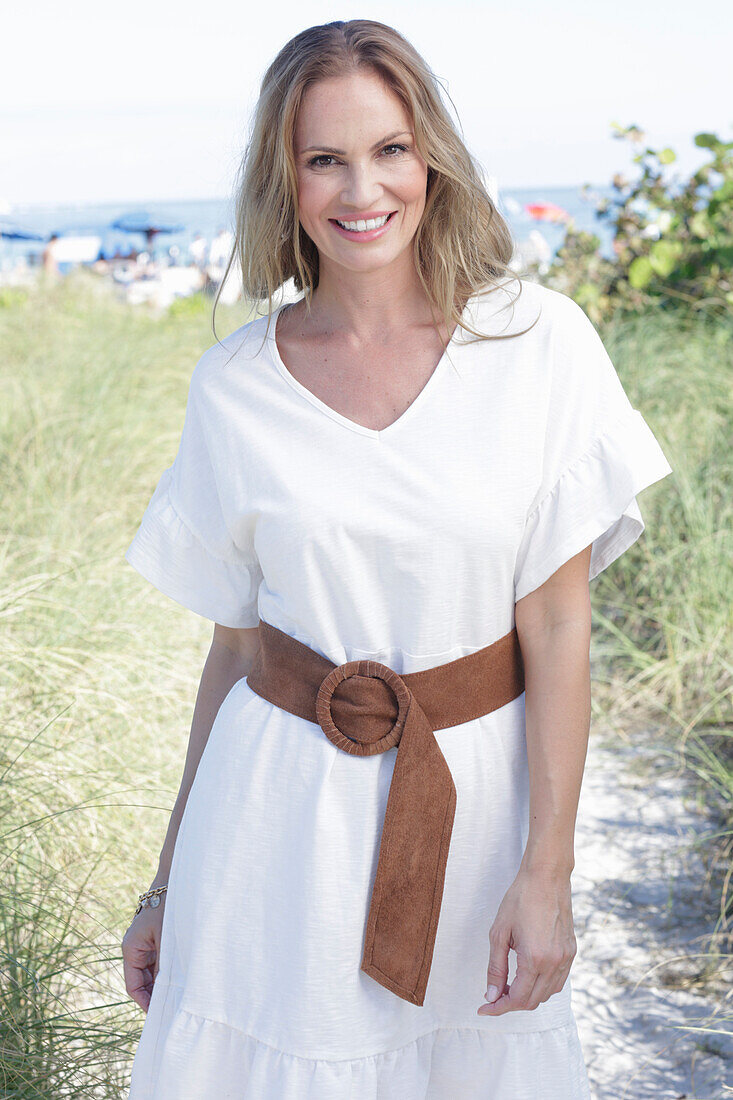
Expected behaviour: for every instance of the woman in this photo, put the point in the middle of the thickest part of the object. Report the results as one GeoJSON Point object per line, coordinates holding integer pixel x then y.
{"type": "Point", "coordinates": [409, 466]}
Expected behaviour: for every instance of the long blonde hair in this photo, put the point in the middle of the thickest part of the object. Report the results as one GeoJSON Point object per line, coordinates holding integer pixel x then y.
{"type": "Point", "coordinates": [462, 244]}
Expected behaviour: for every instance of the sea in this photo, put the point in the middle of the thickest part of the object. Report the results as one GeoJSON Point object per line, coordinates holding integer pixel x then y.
{"type": "Point", "coordinates": [186, 220]}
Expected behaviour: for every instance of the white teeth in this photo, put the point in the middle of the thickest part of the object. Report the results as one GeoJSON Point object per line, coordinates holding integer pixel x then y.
{"type": "Point", "coordinates": [362, 226]}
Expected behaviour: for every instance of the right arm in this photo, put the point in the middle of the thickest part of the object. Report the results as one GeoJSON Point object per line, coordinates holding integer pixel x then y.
{"type": "Point", "coordinates": [230, 658]}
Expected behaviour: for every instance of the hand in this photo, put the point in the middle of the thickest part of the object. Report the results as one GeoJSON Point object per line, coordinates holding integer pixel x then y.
{"type": "Point", "coordinates": [141, 953]}
{"type": "Point", "coordinates": [535, 919]}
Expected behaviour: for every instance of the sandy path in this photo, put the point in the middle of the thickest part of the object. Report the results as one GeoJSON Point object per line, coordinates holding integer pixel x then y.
{"type": "Point", "coordinates": [636, 890]}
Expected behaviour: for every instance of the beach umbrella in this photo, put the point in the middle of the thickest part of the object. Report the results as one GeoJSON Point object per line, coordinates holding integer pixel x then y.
{"type": "Point", "coordinates": [141, 221]}
{"type": "Point", "coordinates": [15, 232]}
{"type": "Point", "coordinates": [546, 212]}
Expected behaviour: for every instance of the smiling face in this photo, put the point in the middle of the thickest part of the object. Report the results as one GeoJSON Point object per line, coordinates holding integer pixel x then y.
{"type": "Point", "coordinates": [361, 180]}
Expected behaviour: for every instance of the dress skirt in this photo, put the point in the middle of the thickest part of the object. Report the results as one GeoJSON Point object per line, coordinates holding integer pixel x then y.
{"type": "Point", "coordinates": [259, 992]}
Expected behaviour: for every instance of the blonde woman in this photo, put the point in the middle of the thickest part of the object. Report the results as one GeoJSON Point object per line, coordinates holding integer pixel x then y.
{"type": "Point", "coordinates": [389, 497]}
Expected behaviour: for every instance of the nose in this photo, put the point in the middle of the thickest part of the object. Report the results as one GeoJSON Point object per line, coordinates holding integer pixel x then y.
{"type": "Point", "coordinates": [362, 189]}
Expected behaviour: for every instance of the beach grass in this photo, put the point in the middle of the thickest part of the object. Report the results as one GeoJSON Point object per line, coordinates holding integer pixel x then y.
{"type": "Point", "coordinates": [100, 671]}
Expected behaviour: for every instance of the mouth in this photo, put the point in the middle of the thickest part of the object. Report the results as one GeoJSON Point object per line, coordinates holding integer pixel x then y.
{"type": "Point", "coordinates": [363, 229]}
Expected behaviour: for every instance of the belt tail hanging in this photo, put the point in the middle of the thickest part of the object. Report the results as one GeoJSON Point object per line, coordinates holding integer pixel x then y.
{"type": "Point", "coordinates": [408, 887]}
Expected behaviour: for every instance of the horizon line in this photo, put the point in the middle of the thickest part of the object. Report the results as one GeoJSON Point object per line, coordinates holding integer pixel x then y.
{"type": "Point", "coordinates": [13, 205]}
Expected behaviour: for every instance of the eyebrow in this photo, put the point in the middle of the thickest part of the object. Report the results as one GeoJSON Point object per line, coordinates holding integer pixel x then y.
{"type": "Point", "coordinates": [341, 153]}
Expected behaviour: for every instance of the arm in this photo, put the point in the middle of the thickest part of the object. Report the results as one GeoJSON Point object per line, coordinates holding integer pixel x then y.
{"type": "Point", "coordinates": [230, 657]}
{"type": "Point", "coordinates": [535, 917]}
{"type": "Point", "coordinates": [554, 628]}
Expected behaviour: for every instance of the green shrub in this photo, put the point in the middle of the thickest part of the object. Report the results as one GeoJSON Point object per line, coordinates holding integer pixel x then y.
{"type": "Point", "coordinates": [672, 239]}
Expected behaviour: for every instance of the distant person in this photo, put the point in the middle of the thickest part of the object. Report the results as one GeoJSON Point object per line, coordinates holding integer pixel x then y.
{"type": "Point", "coordinates": [151, 241]}
{"type": "Point", "coordinates": [388, 499]}
{"type": "Point", "coordinates": [49, 259]}
{"type": "Point", "coordinates": [198, 249]}
{"type": "Point", "coordinates": [219, 253]}
{"type": "Point", "coordinates": [221, 247]}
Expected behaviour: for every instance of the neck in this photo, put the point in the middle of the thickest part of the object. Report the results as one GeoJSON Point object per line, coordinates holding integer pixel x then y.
{"type": "Point", "coordinates": [369, 305]}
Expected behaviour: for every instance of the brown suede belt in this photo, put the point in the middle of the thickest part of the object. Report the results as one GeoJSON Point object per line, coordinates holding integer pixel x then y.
{"type": "Point", "coordinates": [364, 707]}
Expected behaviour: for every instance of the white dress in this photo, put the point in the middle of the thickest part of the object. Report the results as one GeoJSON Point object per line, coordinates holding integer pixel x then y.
{"type": "Point", "coordinates": [408, 546]}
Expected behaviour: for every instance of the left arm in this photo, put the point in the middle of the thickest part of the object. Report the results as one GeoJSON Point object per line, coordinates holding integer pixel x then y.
{"type": "Point", "coordinates": [535, 917]}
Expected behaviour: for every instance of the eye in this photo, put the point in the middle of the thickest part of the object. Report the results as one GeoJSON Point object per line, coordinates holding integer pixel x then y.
{"type": "Point", "coordinates": [324, 160]}
{"type": "Point", "coordinates": [315, 161]}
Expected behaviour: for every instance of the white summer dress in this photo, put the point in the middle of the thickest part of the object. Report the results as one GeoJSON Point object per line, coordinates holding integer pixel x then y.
{"type": "Point", "coordinates": [408, 546]}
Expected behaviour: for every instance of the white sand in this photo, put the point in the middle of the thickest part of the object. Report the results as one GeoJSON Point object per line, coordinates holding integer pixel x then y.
{"type": "Point", "coordinates": [637, 902]}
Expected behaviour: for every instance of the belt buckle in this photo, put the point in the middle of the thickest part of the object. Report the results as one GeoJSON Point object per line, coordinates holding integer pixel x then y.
{"type": "Point", "coordinates": [376, 670]}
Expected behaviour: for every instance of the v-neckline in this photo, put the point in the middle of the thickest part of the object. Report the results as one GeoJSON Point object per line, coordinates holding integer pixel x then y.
{"type": "Point", "coordinates": [345, 421]}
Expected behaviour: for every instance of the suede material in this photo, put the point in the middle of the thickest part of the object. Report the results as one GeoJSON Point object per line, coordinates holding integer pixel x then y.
{"type": "Point", "coordinates": [364, 707]}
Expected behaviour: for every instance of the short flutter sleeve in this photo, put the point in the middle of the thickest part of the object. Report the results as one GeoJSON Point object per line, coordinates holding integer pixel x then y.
{"type": "Point", "coordinates": [183, 545]}
{"type": "Point", "coordinates": [598, 453]}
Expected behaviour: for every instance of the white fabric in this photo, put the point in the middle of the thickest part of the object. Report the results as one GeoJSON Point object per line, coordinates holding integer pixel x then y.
{"type": "Point", "coordinates": [408, 546]}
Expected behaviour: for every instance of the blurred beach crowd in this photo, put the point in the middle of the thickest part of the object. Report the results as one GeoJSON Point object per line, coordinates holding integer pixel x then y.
{"type": "Point", "coordinates": [159, 276]}
{"type": "Point", "coordinates": [157, 257]}
{"type": "Point", "coordinates": [148, 273]}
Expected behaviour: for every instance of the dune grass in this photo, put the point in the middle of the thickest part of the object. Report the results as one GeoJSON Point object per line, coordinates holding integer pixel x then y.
{"type": "Point", "coordinates": [98, 676]}
{"type": "Point", "coordinates": [663, 616]}
{"type": "Point", "coordinates": [100, 671]}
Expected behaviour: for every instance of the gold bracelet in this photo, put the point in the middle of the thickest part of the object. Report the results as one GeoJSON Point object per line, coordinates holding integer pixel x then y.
{"type": "Point", "coordinates": [151, 898]}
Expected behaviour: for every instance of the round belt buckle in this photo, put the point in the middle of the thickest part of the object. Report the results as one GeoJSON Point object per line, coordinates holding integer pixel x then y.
{"type": "Point", "coordinates": [378, 671]}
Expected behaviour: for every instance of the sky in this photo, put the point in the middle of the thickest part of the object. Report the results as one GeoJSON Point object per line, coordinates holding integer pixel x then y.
{"type": "Point", "coordinates": [151, 100]}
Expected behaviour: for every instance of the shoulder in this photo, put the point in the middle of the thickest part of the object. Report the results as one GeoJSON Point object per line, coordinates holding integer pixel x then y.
{"type": "Point", "coordinates": [557, 357]}
{"type": "Point", "coordinates": [247, 343]}
{"type": "Point", "coordinates": [513, 304]}
{"type": "Point", "coordinates": [562, 347]}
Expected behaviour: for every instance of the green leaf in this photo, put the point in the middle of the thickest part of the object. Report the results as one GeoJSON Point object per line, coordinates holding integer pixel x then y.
{"type": "Point", "coordinates": [724, 253]}
{"type": "Point", "coordinates": [589, 292]}
{"type": "Point", "coordinates": [700, 224]}
{"type": "Point", "coordinates": [706, 141]}
{"type": "Point", "coordinates": [640, 272]}
{"type": "Point", "coordinates": [667, 156]}
{"type": "Point", "coordinates": [724, 192]}
{"type": "Point", "coordinates": [663, 257]}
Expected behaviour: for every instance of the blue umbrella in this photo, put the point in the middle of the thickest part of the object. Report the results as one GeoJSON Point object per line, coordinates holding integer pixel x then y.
{"type": "Point", "coordinates": [14, 232]}
{"type": "Point", "coordinates": [142, 222]}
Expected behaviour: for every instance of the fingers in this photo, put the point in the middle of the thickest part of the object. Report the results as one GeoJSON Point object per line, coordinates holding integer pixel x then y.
{"type": "Point", "coordinates": [498, 971]}
{"type": "Point", "coordinates": [140, 958]}
{"type": "Point", "coordinates": [138, 983]}
{"type": "Point", "coordinates": [536, 980]}
{"type": "Point", "coordinates": [554, 971]}
{"type": "Point", "coordinates": [517, 994]}
{"type": "Point", "coordinates": [551, 981]}
{"type": "Point", "coordinates": [535, 919]}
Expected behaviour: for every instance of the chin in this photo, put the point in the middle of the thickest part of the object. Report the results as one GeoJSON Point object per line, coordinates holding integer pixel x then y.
{"type": "Point", "coordinates": [368, 264]}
